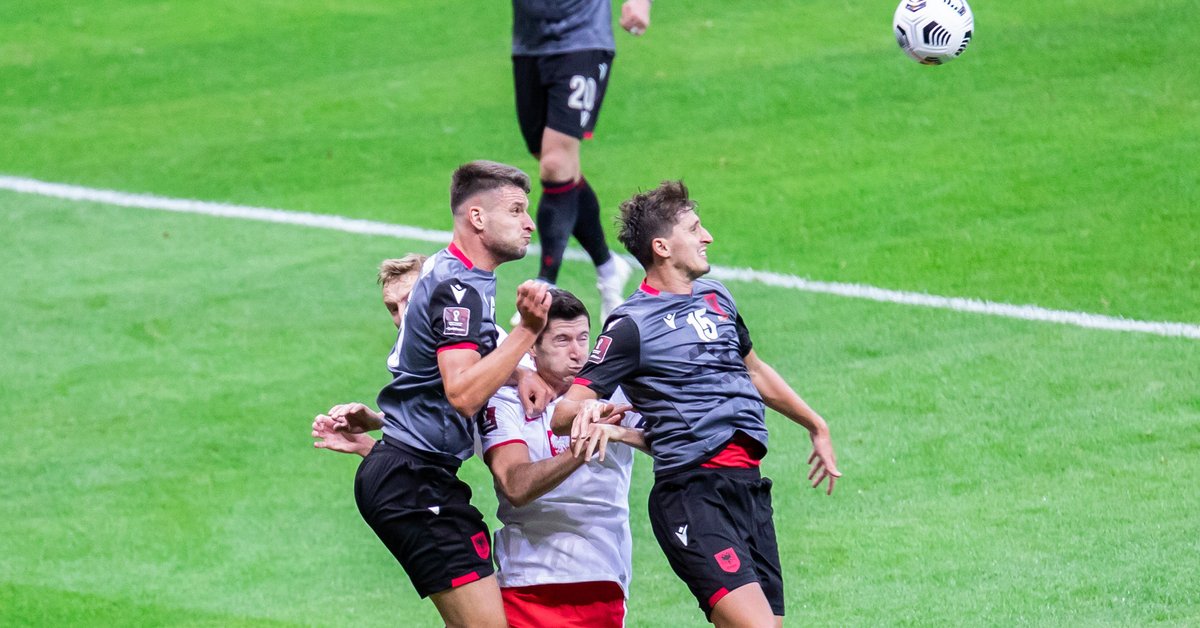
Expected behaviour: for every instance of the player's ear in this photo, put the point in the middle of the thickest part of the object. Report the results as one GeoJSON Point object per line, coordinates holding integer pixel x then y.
{"type": "Point", "coordinates": [475, 216]}
{"type": "Point", "coordinates": [660, 247]}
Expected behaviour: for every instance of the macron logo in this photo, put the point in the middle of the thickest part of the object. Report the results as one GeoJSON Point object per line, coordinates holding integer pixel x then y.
{"type": "Point", "coordinates": [681, 534]}
{"type": "Point", "coordinates": [459, 292]}
{"type": "Point", "coordinates": [669, 319]}
{"type": "Point", "coordinates": [603, 71]}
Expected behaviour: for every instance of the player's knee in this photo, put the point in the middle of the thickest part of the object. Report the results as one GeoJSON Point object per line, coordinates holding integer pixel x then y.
{"type": "Point", "coordinates": [558, 164]}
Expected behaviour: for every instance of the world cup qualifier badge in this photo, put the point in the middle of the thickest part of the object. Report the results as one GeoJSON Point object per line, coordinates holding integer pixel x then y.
{"type": "Point", "coordinates": [601, 350]}
{"type": "Point", "coordinates": [456, 321]}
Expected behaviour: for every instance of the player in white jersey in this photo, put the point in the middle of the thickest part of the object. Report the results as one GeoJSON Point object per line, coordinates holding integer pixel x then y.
{"type": "Point", "coordinates": [564, 550]}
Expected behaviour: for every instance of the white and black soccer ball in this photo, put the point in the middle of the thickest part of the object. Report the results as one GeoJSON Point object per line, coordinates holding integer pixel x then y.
{"type": "Point", "coordinates": [933, 31]}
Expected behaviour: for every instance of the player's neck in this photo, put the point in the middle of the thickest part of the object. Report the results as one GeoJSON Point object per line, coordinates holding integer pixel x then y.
{"type": "Point", "coordinates": [477, 255]}
{"type": "Point", "coordinates": [559, 385]}
{"type": "Point", "coordinates": [666, 279]}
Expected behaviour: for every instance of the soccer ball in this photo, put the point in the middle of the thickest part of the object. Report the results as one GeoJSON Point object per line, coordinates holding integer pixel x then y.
{"type": "Point", "coordinates": [933, 31]}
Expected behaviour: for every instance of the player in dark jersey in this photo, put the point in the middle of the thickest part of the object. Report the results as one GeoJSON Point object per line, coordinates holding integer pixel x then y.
{"type": "Point", "coordinates": [680, 350]}
{"type": "Point", "coordinates": [562, 57]}
{"type": "Point", "coordinates": [450, 364]}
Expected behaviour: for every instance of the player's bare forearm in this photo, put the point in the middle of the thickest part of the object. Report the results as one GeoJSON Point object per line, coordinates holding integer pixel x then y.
{"type": "Point", "coordinates": [470, 381]}
{"type": "Point", "coordinates": [780, 397]}
{"type": "Point", "coordinates": [522, 481]}
{"type": "Point", "coordinates": [633, 438]}
{"type": "Point", "coordinates": [568, 407]}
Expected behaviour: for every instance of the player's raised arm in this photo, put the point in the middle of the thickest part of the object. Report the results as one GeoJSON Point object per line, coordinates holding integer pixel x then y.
{"type": "Point", "coordinates": [780, 397]}
{"type": "Point", "coordinates": [470, 380]}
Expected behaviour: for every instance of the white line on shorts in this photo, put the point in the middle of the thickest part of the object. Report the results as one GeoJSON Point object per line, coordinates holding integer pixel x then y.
{"type": "Point", "coordinates": [792, 282]}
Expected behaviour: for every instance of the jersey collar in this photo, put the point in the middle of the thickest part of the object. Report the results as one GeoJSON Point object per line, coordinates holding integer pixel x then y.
{"type": "Point", "coordinates": [462, 257]}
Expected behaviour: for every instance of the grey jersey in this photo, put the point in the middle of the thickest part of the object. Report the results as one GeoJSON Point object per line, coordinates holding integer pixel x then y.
{"type": "Point", "coordinates": [452, 307]}
{"type": "Point", "coordinates": [680, 360]}
{"type": "Point", "coordinates": [546, 27]}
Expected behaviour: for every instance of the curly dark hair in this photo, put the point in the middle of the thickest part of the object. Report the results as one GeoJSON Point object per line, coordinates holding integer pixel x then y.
{"type": "Point", "coordinates": [650, 215]}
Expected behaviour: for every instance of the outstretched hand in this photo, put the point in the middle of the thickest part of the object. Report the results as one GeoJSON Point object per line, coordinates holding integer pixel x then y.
{"type": "Point", "coordinates": [590, 412]}
{"type": "Point", "coordinates": [823, 461]}
{"type": "Point", "coordinates": [355, 418]}
{"type": "Point", "coordinates": [324, 428]}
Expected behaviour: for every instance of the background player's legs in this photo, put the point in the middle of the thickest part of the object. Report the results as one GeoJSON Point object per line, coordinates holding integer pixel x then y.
{"type": "Point", "coordinates": [470, 605]}
{"type": "Point", "coordinates": [744, 607]}
{"type": "Point", "coordinates": [569, 207]}
{"type": "Point", "coordinates": [558, 208]}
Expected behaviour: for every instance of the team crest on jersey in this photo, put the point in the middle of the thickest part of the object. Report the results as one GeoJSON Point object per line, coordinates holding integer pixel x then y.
{"type": "Point", "coordinates": [456, 321]}
{"type": "Point", "coordinates": [601, 350]}
{"type": "Point", "coordinates": [487, 421]}
{"type": "Point", "coordinates": [711, 300]}
{"type": "Point", "coordinates": [558, 444]}
{"type": "Point", "coordinates": [482, 547]}
{"type": "Point", "coordinates": [728, 560]}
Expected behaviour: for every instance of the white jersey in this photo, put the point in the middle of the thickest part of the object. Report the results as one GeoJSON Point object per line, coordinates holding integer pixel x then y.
{"type": "Point", "coordinates": [577, 532]}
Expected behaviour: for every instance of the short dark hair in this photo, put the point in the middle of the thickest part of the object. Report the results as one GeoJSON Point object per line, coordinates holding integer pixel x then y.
{"type": "Point", "coordinates": [650, 215]}
{"type": "Point", "coordinates": [565, 306]}
{"type": "Point", "coordinates": [472, 178]}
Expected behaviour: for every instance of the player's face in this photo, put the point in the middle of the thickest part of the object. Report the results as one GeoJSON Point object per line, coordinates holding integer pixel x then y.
{"type": "Point", "coordinates": [507, 227]}
{"type": "Point", "coordinates": [395, 296]}
{"type": "Point", "coordinates": [561, 350]}
{"type": "Point", "coordinates": [688, 244]}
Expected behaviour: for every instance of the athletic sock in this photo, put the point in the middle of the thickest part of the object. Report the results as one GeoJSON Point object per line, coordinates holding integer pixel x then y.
{"type": "Point", "coordinates": [607, 270]}
{"type": "Point", "coordinates": [556, 214]}
{"type": "Point", "coordinates": [588, 230]}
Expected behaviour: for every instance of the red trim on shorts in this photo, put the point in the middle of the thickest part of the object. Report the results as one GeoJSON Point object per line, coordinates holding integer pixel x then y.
{"type": "Point", "coordinates": [462, 257]}
{"type": "Point", "coordinates": [648, 289]}
{"type": "Point", "coordinates": [582, 382]}
{"type": "Point", "coordinates": [716, 597]}
{"type": "Point", "coordinates": [561, 189]}
{"type": "Point", "coordinates": [507, 442]}
{"type": "Point", "coordinates": [461, 345]}
{"type": "Point", "coordinates": [464, 579]}
{"type": "Point", "coordinates": [592, 604]}
{"type": "Point", "coordinates": [587, 135]}
{"type": "Point", "coordinates": [742, 452]}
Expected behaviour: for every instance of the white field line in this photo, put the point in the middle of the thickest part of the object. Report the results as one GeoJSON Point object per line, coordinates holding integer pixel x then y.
{"type": "Point", "coordinates": [792, 282]}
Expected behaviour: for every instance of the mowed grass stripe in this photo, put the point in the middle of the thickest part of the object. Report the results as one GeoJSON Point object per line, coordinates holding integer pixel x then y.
{"type": "Point", "coordinates": [368, 227]}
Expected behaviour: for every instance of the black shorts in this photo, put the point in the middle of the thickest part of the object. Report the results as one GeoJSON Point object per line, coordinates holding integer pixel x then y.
{"type": "Point", "coordinates": [715, 527]}
{"type": "Point", "coordinates": [422, 512]}
{"type": "Point", "coordinates": [561, 92]}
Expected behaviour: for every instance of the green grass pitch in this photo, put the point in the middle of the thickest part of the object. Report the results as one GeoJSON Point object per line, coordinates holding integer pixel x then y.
{"type": "Point", "coordinates": [158, 371]}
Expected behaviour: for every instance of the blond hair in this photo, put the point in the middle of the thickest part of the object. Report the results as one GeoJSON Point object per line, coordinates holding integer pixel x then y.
{"type": "Point", "coordinates": [393, 269]}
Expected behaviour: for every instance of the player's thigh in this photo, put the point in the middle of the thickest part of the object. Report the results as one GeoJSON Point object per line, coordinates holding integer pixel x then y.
{"type": "Point", "coordinates": [764, 548]}
{"type": "Point", "coordinates": [531, 98]}
{"type": "Point", "coordinates": [422, 514]}
{"type": "Point", "coordinates": [475, 604]}
{"type": "Point", "coordinates": [701, 531]}
{"type": "Point", "coordinates": [576, 83]}
{"type": "Point", "coordinates": [744, 607]}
